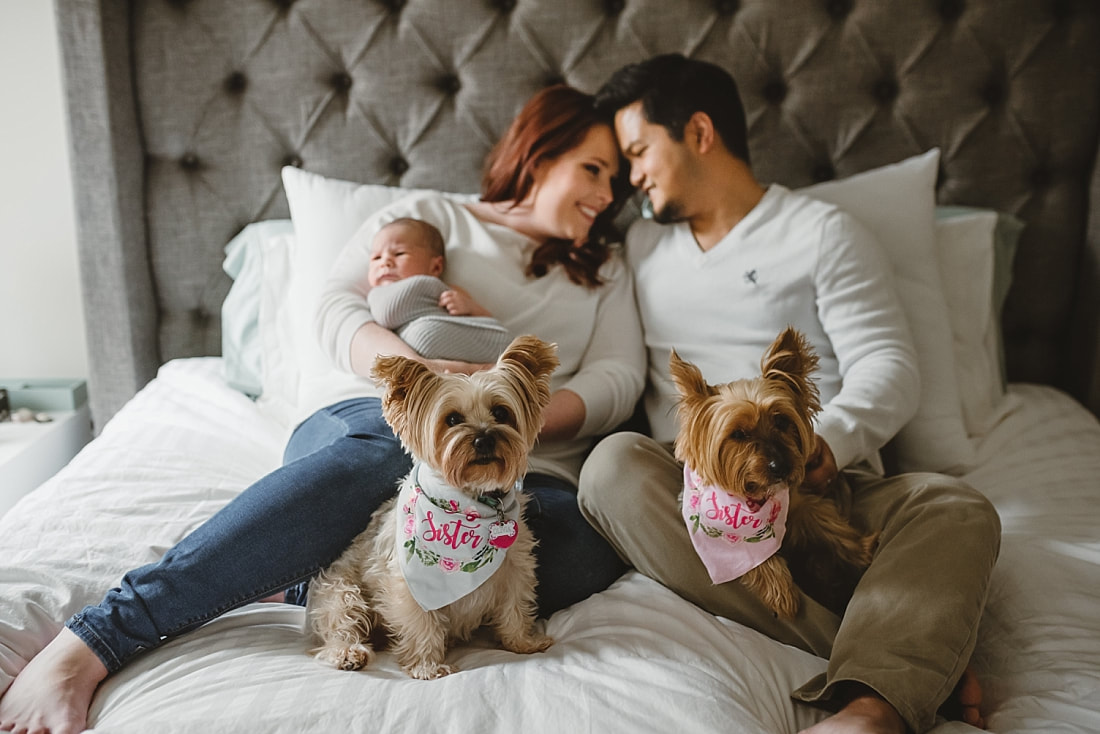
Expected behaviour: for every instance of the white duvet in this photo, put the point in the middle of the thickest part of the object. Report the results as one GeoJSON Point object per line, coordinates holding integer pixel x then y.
{"type": "Point", "coordinates": [634, 658]}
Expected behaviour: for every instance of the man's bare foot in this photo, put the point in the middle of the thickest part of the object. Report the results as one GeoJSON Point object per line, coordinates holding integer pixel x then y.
{"type": "Point", "coordinates": [968, 696]}
{"type": "Point", "coordinates": [866, 713]}
{"type": "Point", "coordinates": [52, 694]}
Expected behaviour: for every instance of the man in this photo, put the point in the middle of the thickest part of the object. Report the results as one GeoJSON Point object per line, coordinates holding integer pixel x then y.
{"type": "Point", "coordinates": [723, 267]}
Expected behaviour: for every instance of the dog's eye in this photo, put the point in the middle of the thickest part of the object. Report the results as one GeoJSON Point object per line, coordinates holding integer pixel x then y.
{"type": "Point", "coordinates": [782, 422]}
{"type": "Point", "coordinates": [739, 435]}
{"type": "Point", "coordinates": [502, 415]}
{"type": "Point", "coordinates": [453, 419]}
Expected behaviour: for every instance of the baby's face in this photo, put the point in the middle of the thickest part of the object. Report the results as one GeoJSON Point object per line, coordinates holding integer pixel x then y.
{"type": "Point", "coordinates": [397, 252]}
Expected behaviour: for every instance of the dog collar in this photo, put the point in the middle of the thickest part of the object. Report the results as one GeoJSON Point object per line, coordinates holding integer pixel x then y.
{"type": "Point", "coordinates": [729, 537]}
{"type": "Point", "coordinates": [451, 543]}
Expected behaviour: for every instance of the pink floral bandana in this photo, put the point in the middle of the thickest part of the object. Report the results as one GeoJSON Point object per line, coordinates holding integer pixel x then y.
{"type": "Point", "coordinates": [452, 543]}
{"type": "Point", "coordinates": [730, 537]}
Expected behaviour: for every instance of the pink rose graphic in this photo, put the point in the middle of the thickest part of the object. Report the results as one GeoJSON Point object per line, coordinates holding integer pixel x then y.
{"type": "Point", "coordinates": [448, 565]}
{"type": "Point", "coordinates": [776, 508]}
{"type": "Point", "coordinates": [693, 501]}
{"type": "Point", "coordinates": [472, 514]}
{"type": "Point", "coordinates": [410, 526]}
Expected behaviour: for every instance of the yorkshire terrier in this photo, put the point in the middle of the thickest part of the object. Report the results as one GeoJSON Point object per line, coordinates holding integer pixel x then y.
{"type": "Point", "coordinates": [452, 550]}
{"type": "Point", "coordinates": [744, 445]}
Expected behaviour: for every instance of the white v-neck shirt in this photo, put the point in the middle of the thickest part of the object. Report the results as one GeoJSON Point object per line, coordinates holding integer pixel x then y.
{"type": "Point", "coordinates": [791, 261]}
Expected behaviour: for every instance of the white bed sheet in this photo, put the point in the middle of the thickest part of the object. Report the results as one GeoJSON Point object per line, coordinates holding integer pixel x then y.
{"type": "Point", "coordinates": [633, 658]}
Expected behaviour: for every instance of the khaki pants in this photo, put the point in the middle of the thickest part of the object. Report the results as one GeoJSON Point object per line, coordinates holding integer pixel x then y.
{"type": "Point", "coordinates": [909, 629]}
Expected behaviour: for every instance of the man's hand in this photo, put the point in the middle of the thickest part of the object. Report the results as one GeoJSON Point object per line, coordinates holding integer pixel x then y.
{"type": "Point", "coordinates": [821, 468]}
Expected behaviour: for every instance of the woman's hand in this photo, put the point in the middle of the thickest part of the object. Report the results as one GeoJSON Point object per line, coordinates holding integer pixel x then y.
{"type": "Point", "coordinates": [460, 303]}
{"type": "Point", "coordinates": [821, 468]}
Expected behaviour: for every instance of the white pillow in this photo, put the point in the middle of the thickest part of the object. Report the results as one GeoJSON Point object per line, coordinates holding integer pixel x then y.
{"type": "Point", "coordinates": [278, 362]}
{"type": "Point", "coordinates": [242, 354]}
{"type": "Point", "coordinates": [897, 204]}
{"type": "Point", "coordinates": [326, 213]}
{"type": "Point", "coordinates": [969, 252]}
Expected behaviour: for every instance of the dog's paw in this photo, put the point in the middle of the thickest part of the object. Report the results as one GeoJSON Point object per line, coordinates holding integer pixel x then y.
{"type": "Point", "coordinates": [351, 657]}
{"type": "Point", "coordinates": [428, 670]}
{"type": "Point", "coordinates": [536, 642]}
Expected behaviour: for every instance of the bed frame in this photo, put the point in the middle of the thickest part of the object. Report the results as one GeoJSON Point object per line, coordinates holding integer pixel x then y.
{"type": "Point", "coordinates": [183, 112]}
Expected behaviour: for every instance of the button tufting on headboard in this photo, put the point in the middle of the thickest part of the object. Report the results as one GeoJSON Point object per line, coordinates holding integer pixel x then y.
{"type": "Point", "coordinates": [189, 162]}
{"type": "Point", "coordinates": [823, 172]}
{"type": "Point", "coordinates": [885, 90]}
{"type": "Point", "coordinates": [775, 91]}
{"type": "Point", "coordinates": [340, 81]}
{"type": "Point", "coordinates": [449, 84]}
{"type": "Point", "coordinates": [236, 83]}
{"type": "Point", "coordinates": [838, 9]}
{"type": "Point", "coordinates": [727, 7]}
{"type": "Point", "coordinates": [951, 10]}
{"type": "Point", "coordinates": [994, 92]}
{"type": "Point", "coordinates": [1061, 9]}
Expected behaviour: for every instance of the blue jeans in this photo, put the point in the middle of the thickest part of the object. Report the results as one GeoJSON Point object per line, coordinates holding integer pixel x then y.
{"type": "Point", "coordinates": [339, 466]}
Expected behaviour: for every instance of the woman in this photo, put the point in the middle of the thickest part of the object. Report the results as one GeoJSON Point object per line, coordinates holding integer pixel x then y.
{"type": "Point", "coordinates": [533, 251]}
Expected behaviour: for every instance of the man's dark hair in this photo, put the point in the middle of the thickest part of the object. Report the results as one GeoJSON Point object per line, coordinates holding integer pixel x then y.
{"type": "Point", "coordinates": [672, 88]}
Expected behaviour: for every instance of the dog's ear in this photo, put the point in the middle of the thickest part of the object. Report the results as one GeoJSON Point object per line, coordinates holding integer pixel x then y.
{"type": "Point", "coordinates": [791, 360]}
{"type": "Point", "coordinates": [400, 376]}
{"type": "Point", "coordinates": [532, 359]}
{"type": "Point", "coordinates": [689, 380]}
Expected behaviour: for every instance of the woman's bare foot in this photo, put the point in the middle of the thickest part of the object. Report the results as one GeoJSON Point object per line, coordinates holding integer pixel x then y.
{"type": "Point", "coordinates": [52, 694]}
{"type": "Point", "coordinates": [866, 713]}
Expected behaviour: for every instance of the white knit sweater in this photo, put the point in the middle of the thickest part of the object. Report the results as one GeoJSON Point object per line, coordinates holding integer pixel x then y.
{"type": "Point", "coordinates": [597, 330]}
{"type": "Point", "coordinates": [791, 261]}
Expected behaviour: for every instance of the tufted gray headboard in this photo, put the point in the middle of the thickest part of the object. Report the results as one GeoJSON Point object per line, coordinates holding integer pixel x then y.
{"type": "Point", "coordinates": [182, 113]}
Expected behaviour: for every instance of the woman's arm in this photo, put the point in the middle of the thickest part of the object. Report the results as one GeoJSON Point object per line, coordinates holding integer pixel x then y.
{"type": "Point", "coordinates": [611, 376]}
{"type": "Point", "coordinates": [372, 339]}
{"type": "Point", "coordinates": [563, 418]}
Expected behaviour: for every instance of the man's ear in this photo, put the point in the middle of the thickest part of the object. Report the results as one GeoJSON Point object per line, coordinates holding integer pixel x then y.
{"type": "Point", "coordinates": [699, 132]}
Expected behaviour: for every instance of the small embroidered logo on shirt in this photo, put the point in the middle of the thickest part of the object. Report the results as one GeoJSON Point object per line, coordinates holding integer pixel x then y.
{"type": "Point", "coordinates": [750, 276]}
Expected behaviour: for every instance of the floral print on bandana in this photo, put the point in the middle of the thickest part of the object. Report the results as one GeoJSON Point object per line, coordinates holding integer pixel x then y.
{"type": "Point", "coordinates": [730, 537]}
{"type": "Point", "coordinates": [452, 543]}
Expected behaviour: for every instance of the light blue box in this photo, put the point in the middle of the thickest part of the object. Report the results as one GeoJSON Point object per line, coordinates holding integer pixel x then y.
{"type": "Point", "coordinates": [46, 394]}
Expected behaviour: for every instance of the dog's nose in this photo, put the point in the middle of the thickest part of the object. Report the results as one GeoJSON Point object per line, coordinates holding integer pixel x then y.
{"type": "Point", "coordinates": [778, 467]}
{"type": "Point", "coordinates": [485, 444]}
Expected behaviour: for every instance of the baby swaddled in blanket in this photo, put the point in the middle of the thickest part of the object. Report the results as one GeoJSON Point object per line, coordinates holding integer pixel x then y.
{"type": "Point", "coordinates": [407, 296]}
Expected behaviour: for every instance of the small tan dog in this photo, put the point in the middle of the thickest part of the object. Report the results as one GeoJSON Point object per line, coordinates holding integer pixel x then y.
{"type": "Point", "coordinates": [451, 551]}
{"type": "Point", "coordinates": [750, 439]}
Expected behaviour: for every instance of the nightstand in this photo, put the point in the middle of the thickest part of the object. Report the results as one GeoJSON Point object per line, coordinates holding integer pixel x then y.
{"type": "Point", "coordinates": [31, 453]}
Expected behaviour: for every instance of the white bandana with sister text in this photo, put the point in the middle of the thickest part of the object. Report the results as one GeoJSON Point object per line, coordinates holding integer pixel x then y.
{"type": "Point", "coordinates": [451, 544]}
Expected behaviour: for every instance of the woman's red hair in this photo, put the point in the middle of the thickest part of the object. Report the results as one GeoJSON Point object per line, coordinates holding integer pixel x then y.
{"type": "Point", "coordinates": [552, 123]}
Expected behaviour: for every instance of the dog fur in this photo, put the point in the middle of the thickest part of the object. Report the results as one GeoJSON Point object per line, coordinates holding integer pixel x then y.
{"type": "Point", "coordinates": [476, 431]}
{"type": "Point", "coordinates": [752, 437]}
